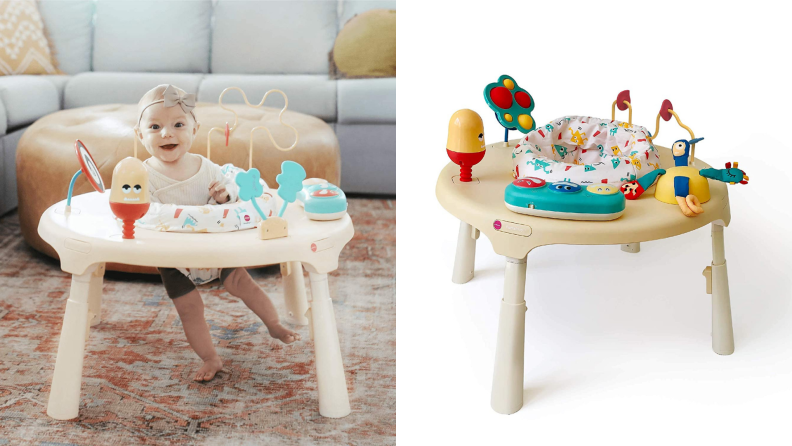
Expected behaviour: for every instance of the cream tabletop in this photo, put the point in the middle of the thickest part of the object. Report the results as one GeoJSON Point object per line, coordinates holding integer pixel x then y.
{"type": "Point", "coordinates": [90, 234]}
{"type": "Point", "coordinates": [481, 202]}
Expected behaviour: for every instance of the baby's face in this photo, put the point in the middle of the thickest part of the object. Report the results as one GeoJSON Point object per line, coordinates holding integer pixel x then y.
{"type": "Point", "coordinates": [167, 132]}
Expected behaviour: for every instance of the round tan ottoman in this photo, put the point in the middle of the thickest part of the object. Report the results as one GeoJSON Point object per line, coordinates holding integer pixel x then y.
{"type": "Point", "coordinates": [46, 161]}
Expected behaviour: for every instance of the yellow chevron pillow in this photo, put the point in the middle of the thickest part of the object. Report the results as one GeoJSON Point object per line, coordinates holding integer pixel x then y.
{"type": "Point", "coordinates": [23, 46]}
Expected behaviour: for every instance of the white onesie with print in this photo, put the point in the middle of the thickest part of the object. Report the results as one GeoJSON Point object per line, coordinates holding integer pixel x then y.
{"type": "Point", "coordinates": [193, 191]}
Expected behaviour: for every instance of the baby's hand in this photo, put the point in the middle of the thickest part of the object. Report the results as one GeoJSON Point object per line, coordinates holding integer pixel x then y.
{"type": "Point", "coordinates": [218, 191]}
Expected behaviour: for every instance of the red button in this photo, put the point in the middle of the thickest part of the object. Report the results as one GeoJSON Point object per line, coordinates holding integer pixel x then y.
{"type": "Point", "coordinates": [529, 182]}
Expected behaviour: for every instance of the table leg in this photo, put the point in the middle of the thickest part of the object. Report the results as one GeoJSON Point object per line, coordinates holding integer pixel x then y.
{"type": "Point", "coordinates": [722, 333]}
{"type": "Point", "coordinates": [64, 398]}
{"type": "Point", "coordinates": [333, 396]}
{"type": "Point", "coordinates": [95, 296]}
{"type": "Point", "coordinates": [631, 247]}
{"type": "Point", "coordinates": [294, 293]}
{"type": "Point", "coordinates": [507, 382]}
{"type": "Point", "coordinates": [465, 254]}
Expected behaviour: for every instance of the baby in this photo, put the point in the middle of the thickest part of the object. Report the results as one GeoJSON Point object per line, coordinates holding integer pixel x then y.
{"type": "Point", "coordinates": [167, 127]}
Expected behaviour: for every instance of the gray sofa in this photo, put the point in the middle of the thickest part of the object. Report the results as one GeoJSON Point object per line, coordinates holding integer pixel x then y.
{"type": "Point", "coordinates": [114, 51]}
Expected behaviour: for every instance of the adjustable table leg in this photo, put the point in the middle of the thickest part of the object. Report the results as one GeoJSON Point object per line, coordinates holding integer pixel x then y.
{"type": "Point", "coordinates": [294, 293]}
{"type": "Point", "coordinates": [722, 333]}
{"type": "Point", "coordinates": [95, 296]}
{"type": "Point", "coordinates": [333, 396]}
{"type": "Point", "coordinates": [64, 398]}
{"type": "Point", "coordinates": [631, 247]}
{"type": "Point", "coordinates": [507, 382]}
{"type": "Point", "coordinates": [465, 253]}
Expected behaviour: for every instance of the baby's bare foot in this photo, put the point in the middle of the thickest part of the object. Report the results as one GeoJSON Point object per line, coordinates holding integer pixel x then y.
{"type": "Point", "coordinates": [209, 369]}
{"type": "Point", "coordinates": [282, 333]}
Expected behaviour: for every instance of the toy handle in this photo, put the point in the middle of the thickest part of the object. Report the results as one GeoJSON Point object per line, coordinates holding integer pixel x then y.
{"type": "Point", "coordinates": [623, 102]}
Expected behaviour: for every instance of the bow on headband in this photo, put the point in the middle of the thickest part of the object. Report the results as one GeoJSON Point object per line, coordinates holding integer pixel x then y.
{"type": "Point", "coordinates": [171, 97]}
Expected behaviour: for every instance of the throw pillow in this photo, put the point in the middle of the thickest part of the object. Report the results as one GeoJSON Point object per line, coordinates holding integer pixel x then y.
{"type": "Point", "coordinates": [23, 45]}
{"type": "Point", "coordinates": [366, 46]}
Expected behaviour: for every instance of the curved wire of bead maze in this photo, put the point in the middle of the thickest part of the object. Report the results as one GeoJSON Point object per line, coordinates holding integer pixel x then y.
{"type": "Point", "coordinates": [236, 121]}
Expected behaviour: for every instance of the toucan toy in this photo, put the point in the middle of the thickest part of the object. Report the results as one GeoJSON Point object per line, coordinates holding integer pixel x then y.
{"type": "Point", "coordinates": [682, 184]}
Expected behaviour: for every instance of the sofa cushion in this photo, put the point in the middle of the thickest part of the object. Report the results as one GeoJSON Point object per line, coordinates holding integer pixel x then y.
{"type": "Point", "coordinates": [121, 88]}
{"type": "Point", "coordinates": [69, 28]}
{"type": "Point", "coordinates": [27, 98]}
{"type": "Point", "coordinates": [59, 81]}
{"type": "Point", "coordinates": [311, 94]}
{"type": "Point", "coordinates": [273, 37]}
{"type": "Point", "coordinates": [159, 36]}
{"type": "Point", "coordinates": [3, 118]}
{"type": "Point", "coordinates": [348, 9]}
{"type": "Point", "coordinates": [367, 101]}
{"type": "Point", "coordinates": [368, 167]}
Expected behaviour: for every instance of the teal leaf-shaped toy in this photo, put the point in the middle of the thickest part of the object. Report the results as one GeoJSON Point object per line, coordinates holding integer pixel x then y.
{"type": "Point", "coordinates": [512, 105]}
{"type": "Point", "coordinates": [289, 183]}
{"type": "Point", "coordinates": [250, 188]}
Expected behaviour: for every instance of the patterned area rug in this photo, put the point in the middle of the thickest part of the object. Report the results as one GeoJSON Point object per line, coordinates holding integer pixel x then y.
{"type": "Point", "coordinates": [137, 386]}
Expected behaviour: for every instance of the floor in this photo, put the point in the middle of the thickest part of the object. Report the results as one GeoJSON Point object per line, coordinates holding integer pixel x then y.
{"type": "Point", "coordinates": [137, 386]}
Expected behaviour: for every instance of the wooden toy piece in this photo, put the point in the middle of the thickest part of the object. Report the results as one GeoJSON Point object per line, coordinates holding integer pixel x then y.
{"type": "Point", "coordinates": [129, 195]}
{"type": "Point", "coordinates": [465, 144]}
{"type": "Point", "coordinates": [273, 227]}
{"type": "Point", "coordinates": [512, 105]}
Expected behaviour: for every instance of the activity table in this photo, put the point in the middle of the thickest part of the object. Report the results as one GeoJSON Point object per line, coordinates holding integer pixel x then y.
{"type": "Point", "coordinates": [89, 236]}
{"type": "Point", "coordinates": [479, 205]}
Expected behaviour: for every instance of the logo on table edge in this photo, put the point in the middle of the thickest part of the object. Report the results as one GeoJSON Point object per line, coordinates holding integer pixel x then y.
{"type": "Point", "coordinates": [497, 225]}
{"type": "Point", "coordinates": [313, 247]}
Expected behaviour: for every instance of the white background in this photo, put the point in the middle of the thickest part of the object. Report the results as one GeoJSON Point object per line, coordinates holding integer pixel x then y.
{"type": "Point", "coordinates": [618, 346]}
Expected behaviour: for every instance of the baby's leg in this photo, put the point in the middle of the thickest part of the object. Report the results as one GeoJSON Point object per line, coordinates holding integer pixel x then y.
{"type": "Point", "coordinates": [240, 284]}
{"type": "Point", "coordinates": [191, 312]}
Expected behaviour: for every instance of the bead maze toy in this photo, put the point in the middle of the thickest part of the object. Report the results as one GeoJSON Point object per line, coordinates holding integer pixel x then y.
{"type": "Point", "coordinates": [85, 233]}
{"type": "Point", "coordinates": [508, 206]}
{"type": "Point", "coordinates": [683, 184]}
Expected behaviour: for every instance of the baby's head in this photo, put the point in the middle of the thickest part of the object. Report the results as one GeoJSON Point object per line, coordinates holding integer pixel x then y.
{"type": "Point", "coordinates": [166, 124]}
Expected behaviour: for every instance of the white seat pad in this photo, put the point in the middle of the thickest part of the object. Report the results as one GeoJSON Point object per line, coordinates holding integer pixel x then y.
{"type": "Point", "coordinates": [585, 150]}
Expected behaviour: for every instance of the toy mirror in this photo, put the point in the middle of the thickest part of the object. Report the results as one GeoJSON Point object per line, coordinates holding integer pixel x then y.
{"type": "Point", "coordinates": [88, 166]}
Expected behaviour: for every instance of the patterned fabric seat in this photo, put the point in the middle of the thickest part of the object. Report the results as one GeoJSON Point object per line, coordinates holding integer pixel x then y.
{"type": "Point", "coordinates": [585, 150]}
